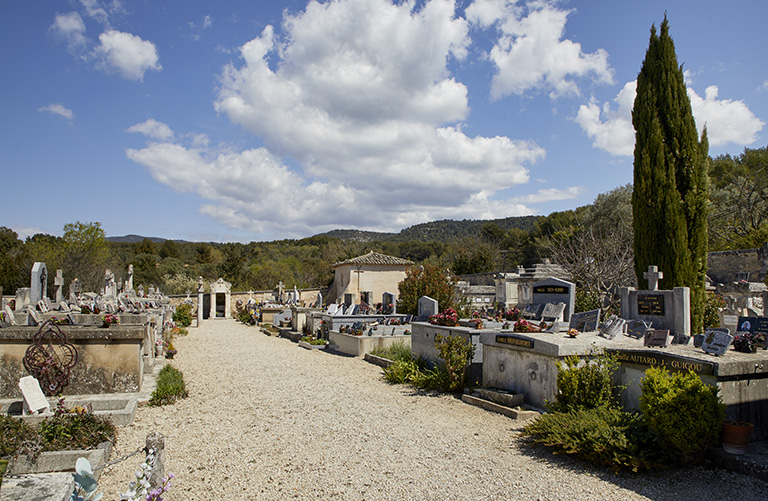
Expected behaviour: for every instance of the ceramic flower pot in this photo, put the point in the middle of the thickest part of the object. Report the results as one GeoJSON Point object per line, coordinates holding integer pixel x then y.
{"type": "Point", "coordinates": [735, 436]}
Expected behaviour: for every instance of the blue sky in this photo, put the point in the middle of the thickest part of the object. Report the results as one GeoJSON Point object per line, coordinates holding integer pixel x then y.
{"type": "Point", "coordinates": [250, 121]}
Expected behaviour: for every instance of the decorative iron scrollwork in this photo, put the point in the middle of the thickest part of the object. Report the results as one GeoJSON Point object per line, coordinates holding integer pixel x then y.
{"type": "Point", "coordinates": [50, 358]}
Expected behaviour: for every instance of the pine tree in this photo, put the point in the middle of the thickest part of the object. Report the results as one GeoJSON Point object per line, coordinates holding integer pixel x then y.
{"type": "Point", "coordinates": [670, 195]}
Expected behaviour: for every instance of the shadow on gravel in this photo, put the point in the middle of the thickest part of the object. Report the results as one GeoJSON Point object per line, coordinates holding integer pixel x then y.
{"type": "Point", "coordinates": [338, 353]}
{"type": "Point", "coordinates": [666, 484]}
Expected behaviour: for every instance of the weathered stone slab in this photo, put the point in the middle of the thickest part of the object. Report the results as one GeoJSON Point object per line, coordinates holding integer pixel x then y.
{"type": "Point", "coordinates": [716, 342]}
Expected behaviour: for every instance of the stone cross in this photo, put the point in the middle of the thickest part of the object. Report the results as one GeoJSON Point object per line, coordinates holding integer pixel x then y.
{"type": "Point", "coordinates": [653, 275]}
{"type": "Point", "coordinates": [58, 281]}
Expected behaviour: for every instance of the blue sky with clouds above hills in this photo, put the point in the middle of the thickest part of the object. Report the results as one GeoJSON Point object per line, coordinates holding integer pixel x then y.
{"type": "Point", "coordinates": [242, 120]}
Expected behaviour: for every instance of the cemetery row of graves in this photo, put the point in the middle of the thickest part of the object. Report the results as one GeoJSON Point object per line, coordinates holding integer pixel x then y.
{"type": "Point", "coordinates": [519, 354]}
{"type": "Point", "coordinates": [93, 344]}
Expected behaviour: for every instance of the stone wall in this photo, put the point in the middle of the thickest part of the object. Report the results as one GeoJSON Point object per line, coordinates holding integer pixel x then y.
{"type": "Point", "coordinates": [724, 265]}
{"type": "Point", "coordinates": [109, 360]}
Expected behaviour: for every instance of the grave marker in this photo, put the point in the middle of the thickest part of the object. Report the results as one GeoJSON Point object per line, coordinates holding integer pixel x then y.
{"type": "Point", "coordinates": [33, 317]}
{"type": "Point", "coordinates": [613, 327]}
{"type": "Point", "coordinates": [58, 281]}
{"type": "Point", "coordinates": [637, 328]}
{"type": "Point", "coordinates": [656, 338]}
{"type": "Point", "coordinates": [38, 283]}
{"type": "Point", "coordinates": [716, 342]}
{"type": "Point", "coordinates": [427, 307]}
{"type": "Point", "coordinates": [553, 312]}
{"type": "Point", "coordinates": [9, 314]}
{"type": "Point", "coordinates": [587, 321]}
{"type": "Point", "coordinates": [554, 290]}
{"type": "Point", "coordinates": [34, 399]}
{"type": "Point", "coordinates": [746, 324]}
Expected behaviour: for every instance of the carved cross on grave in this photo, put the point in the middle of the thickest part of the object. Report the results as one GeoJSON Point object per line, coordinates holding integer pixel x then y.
{"type": "Point", "coordinates": [58, 281]}
{"type": "Point", "coordinates": [653, 275]}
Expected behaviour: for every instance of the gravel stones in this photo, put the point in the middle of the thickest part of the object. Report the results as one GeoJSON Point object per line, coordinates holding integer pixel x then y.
{"type": "Point", "coordinates": [266, 419]}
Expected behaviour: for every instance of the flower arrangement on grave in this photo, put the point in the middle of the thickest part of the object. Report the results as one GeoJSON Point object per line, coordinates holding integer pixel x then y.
{"type": "Point", "coordinates": [449, 318]}
{"type": "Point", "coordinates": [477, 323]}
{"type": "Point", "coordinates": [573, 333]}
{"type": "Point", "coordinates": [512, 314]}
{"type": "Point", "coordinates": [524, 325]}
{"type": "Point", "coordinates": [60, 321]}
{"type": "Point", "coordinates": [170, 350]}
{"type": "Point", "coordinates": [85, 309]}
{"type": "Point", "coordinates": [109, 319]}
{"type": "Point", "coordinates": [505, 326]}
{"type": "Point", "coordinates": [747, 342]}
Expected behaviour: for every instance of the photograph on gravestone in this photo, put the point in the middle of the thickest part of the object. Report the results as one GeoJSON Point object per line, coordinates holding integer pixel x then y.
{"type": "Point", "coordinates": [716, 342]}
{"type": "Point", "coordinates": [746, 324]}
{"type": "Point", "coordinates": [658, 338]}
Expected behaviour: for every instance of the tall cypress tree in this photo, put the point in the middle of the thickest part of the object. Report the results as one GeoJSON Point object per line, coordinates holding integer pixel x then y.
{"type": "Point", "coordinates": [669, 199]}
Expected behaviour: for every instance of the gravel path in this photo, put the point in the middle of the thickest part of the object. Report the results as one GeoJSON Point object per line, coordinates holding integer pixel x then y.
{"type": "Point", "coordinates": [267, 419]}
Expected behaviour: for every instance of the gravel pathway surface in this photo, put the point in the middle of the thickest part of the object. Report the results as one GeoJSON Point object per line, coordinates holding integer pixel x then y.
{"type": "Point", "coordinates": [267, 419]}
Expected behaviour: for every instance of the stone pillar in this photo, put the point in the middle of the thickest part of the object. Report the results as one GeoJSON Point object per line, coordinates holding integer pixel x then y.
{"type": "Point", "coordinates": [200, 292]}
{"type": "Point", "coordinates": [156, 444]}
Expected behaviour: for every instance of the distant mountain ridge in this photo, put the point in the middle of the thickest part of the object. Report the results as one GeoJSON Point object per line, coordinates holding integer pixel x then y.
{"type": "Point", "coordinates": [445, 230]}
{"type": "Point", "coordinates": [133, 239]}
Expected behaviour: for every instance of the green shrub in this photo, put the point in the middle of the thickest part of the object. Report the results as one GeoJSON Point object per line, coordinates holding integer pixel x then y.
{"type": "Point", "coordinates": [585, 383]}
{"type": "Point", "coordinates": [396, 351]}
{"type": "Point", "coordinates": [401, 371]}
{"type": "Point", "coordinates": [434, 379]}
{"type": "Point", "coordinates": [183, 315]}
{"type": "Point", "coordinates": [711, 310]}
{"type": "Point", "coordinates": [603, 435]}
{"type": "Point", "coordinates": [170, 387]}
{"type": "Point", "coordinates": [13, 432]}
{"type": "Point", "coordinates": [78, 430]}
{"type": "Point", "coordinates": [246, 317]}
{"type": "Point", "coordinates": [456, 353]}
{"type": "Point", "coordinates": [684, 413]}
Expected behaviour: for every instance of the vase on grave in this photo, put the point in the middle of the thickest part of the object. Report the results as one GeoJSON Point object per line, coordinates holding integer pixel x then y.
{"type": "Point", "coordinates": [735, 436]}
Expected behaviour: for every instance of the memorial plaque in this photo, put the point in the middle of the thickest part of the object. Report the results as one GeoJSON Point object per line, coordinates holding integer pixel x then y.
{"type": "Point", "coordinates": [637, 328]}
{"type": "Point", "coordinates": [551, 289]}
{"type": "Point", "coordinates": [656, 338]}
{"type": "Point", "coordinates": [613, 327]}
{"type": "Point", "coordinates": [587, 321]}
{"type": "Point", "coordinates": [746, 324]}
{"type": "Point", "coordinates": [716, 342]}
{"type": "Point", "coordinates": [650, 304]}
{"type": "Point", "coordinates": [515, 341]}
{"type": "Point", "coordinates": [761, 327]}
{"type": "Point", "coordinates": [668, 362]}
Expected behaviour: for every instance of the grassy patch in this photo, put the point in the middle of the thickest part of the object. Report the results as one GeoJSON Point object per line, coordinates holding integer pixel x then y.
{"type": "Point", "coordinates": [398, 350]}
{"type": "Point", "coordinates": [170, 387]}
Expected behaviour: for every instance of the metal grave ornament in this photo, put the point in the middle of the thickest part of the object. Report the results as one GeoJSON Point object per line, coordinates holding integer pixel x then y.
{"type": "Point", "coordinates": [50, 358]}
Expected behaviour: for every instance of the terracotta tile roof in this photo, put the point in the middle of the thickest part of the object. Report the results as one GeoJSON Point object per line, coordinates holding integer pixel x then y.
{"type": "Point", "coordinates": [375, 258]}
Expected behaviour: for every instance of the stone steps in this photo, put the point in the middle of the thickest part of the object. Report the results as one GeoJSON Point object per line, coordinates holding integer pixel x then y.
{"type": "Point", "coordinates": [499, 401]}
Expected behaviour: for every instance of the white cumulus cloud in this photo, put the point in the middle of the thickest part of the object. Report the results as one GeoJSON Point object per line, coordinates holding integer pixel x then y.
{"type": "Point", "coordinates": [727, 121]}
{"type": "Point", "coordinates": [71, 28]}
{"type": "Point", "coordinates": [57, 109]}
{"type": "Point", "coordinates": [611, 129]}
{"type": "Point", "coordinates": [128, 54]}
{"type": "Point", "coordinates": [153, 129]}
{"type": "Point", "coordinates": [531, 53]}
{"type": "Point", "coordinates": [356, 96]}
